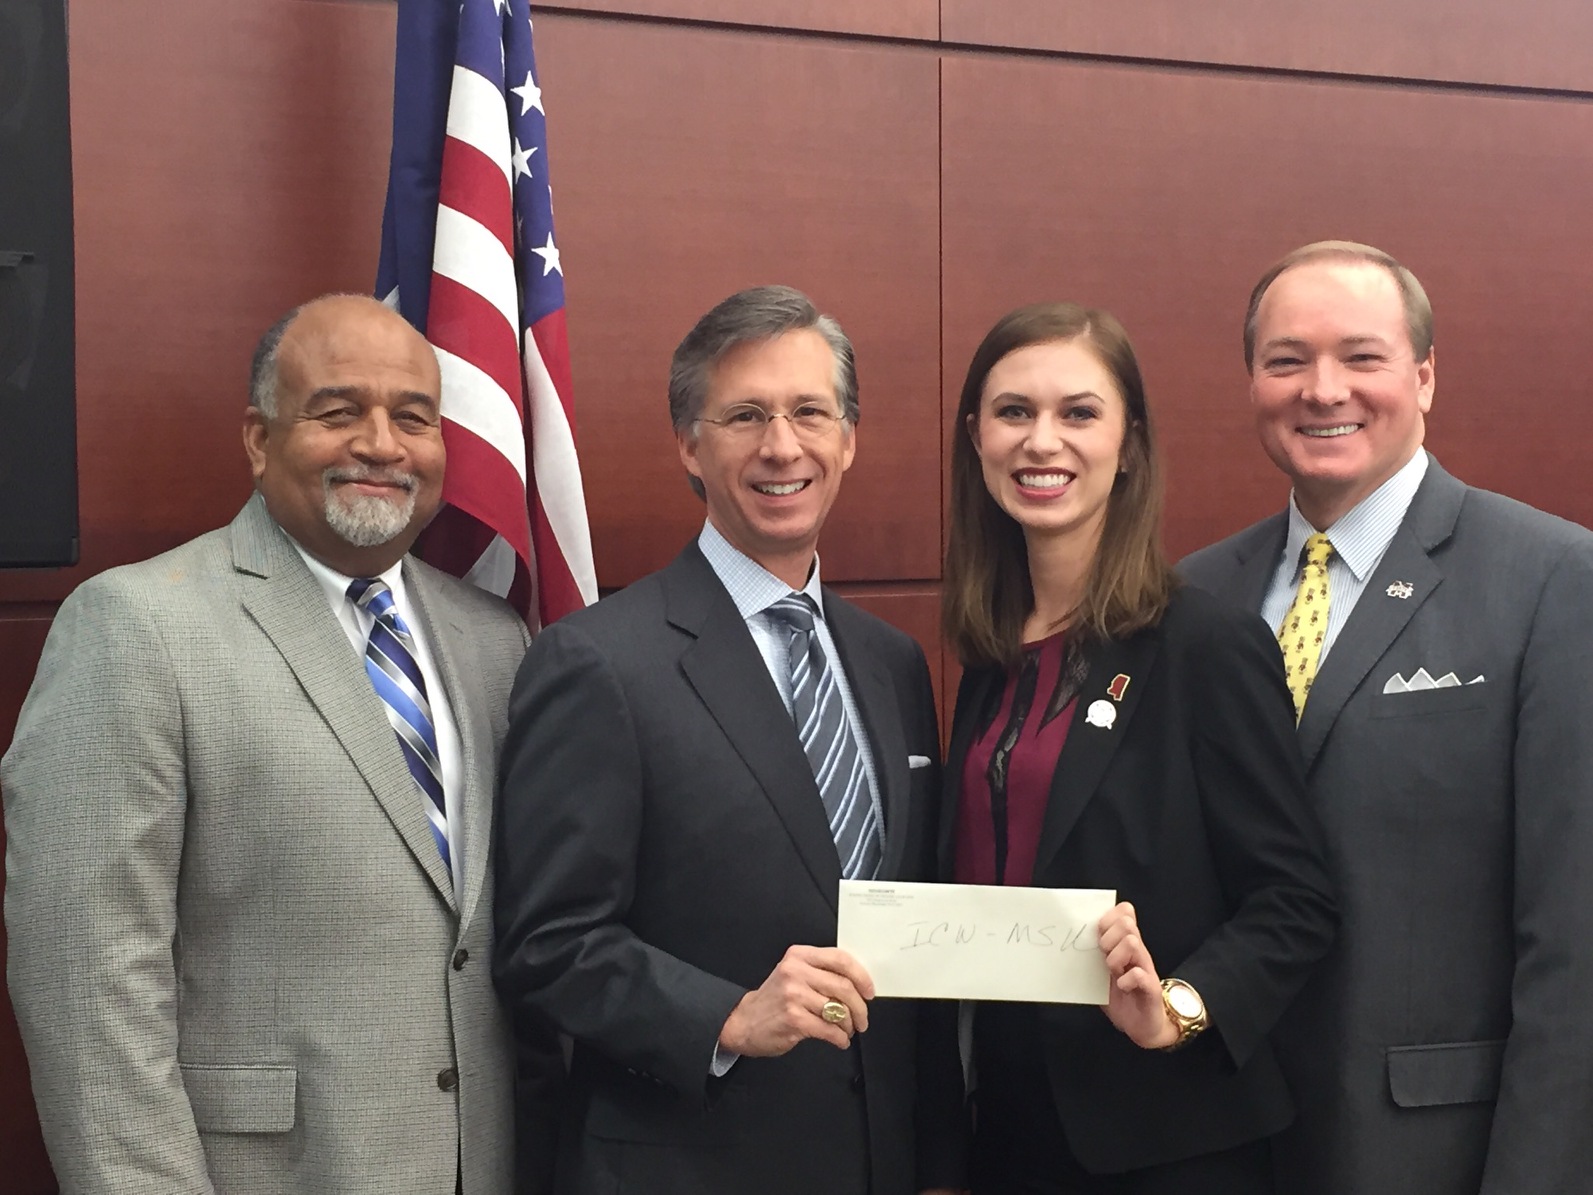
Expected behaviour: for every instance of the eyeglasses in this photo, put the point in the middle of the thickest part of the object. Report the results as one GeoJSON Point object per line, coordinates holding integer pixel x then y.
{"type": "Point", "coordinates": [811, 420]}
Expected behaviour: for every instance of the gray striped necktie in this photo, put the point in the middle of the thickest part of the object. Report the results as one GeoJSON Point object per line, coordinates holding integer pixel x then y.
{"type": "Point", "coordinates": [829, 742]}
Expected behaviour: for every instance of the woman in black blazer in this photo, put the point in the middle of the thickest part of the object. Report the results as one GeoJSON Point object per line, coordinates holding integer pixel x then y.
{"type": "Point", "coordinates": [1114, 730]}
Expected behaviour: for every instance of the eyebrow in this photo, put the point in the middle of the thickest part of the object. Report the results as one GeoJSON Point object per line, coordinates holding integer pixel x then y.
{"type": "Point", "coordinates": [333, 392]}
{"type": "Point", "coordinates": [1079, 397]}
{"type": "Point", "coordinates": [760, 400]}
{"type": "Point", "coordinates": [1295, 342]}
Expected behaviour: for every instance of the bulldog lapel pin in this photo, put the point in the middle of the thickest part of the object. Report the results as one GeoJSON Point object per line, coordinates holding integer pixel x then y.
{"type": "Point", "coordinates": [1103, 713]}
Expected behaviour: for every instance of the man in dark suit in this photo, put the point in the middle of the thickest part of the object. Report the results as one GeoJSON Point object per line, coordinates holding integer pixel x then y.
{"type": "Point", "coordinates": [1447, 688]}
{"type": "Point", "coordinates": [692, 766]}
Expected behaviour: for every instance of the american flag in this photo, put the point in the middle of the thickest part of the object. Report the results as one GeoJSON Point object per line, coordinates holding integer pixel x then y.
{"type": "Point", "coordinates": [468, 257]}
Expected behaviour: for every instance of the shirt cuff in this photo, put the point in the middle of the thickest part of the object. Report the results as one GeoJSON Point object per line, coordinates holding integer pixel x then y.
{"type": "Point", "coordinates": [723, 1060]}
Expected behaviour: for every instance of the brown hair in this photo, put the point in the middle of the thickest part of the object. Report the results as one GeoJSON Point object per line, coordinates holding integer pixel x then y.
{"type": "Point", "coordinates": [987, 593]}
{"type": "Point", "coordinates": [1418, 310]}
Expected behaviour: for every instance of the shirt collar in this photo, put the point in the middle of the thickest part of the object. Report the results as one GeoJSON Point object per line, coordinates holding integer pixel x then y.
{"type": "Point", "coordinates": [752, 587]}
{"type": "Point", "coordinates": [1363, 533]}
{"type": "Point", "coordinates": [336, 584]}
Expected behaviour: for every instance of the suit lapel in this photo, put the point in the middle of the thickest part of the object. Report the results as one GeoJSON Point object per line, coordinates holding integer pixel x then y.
{"type": "Point", "coordinates": [1379, 617]}
{"type": "Point", "coordinates": [448, 642]}
{"type": "Point", "coordinates": [1256, 561]}
{"type": "Point", "coordinates": [723, 665]}
{"type": "Point", "coordinates": [1089, 748]}
{"type": "Point", "coordinates": [875, 698]}
{"type": "Point", "coordinates": [289, 606]}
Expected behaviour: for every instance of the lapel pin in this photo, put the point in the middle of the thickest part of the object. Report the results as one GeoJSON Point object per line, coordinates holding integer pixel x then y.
{"type": "Point", "coordinates": [1118, 687]}
{"type": "Point", "coordinates": [1101, 713]}
{"type": "Point", "coordinates": [1400, 589]}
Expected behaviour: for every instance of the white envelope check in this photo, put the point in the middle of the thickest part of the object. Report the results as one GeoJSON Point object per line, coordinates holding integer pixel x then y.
{"type": "Point", "coordinates": [976, 942]}
{"type": "Point", "coordinates": [917, 761]}
{"type": "Point", "coordinates": [1422, 679]}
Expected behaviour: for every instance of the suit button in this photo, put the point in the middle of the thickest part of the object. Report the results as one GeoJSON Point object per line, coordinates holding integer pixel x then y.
{"type": "Point", "coordinates": [461, 956]}
{"type": "Point", "coordinates": [448, 1080]}
{"type": "Point", "coordinates": [857, 1081]}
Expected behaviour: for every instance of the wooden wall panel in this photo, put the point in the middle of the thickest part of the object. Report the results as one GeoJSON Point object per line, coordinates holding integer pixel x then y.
{"type": "Point", "coordinates": [916, 610]}
{"type": "Point", "coordinates": [229, 161]}
{"type": "Point", "coordinates": [1163, 195]}
{"type": "Point", "coordinates": [682, 175]}
{"type": "Point", "coordinates": [917, 19]}
{"type": "Point", "coordinates": [1547, 44]}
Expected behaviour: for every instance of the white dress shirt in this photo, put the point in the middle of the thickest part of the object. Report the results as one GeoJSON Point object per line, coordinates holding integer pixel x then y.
{"type": "Point", "coordinates": [1359, 538]}
{"type": "Point", "coordinates": [356, 623]}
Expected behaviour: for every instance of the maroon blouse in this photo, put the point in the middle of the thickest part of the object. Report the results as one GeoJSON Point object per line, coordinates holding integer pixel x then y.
{"type": "Point", "coordinates": [1006, 778]}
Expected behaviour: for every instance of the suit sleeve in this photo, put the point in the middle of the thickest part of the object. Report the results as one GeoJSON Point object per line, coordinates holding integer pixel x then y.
{"type": "Point", "coordinates": [569, 825]}
{"type": "Point", "coordinates": [1540, 1140]}
{"type": "Point", "coordinates": [95, 799]}
{"type": "Point", "coordinates": [1266, 843]}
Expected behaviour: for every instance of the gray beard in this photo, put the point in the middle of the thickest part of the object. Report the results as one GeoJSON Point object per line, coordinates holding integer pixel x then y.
{"type": "Point", "coordinates": [364, 520]}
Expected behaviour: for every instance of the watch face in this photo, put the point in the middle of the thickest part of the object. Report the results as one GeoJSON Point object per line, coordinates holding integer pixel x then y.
{"type": "Point", "coordinates": [1184, 1001]}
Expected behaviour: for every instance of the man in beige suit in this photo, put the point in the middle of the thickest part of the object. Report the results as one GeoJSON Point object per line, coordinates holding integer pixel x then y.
{"type": "Point", "coordinates": [248, 818]}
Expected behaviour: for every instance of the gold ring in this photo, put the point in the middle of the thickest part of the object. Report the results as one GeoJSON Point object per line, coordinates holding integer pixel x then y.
{"type": "Point", "coordinates": [834, 1012]}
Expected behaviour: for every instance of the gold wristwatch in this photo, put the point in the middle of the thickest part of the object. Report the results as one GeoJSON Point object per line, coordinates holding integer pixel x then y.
{"type": "Point", "coordinates": [1185, 1009]}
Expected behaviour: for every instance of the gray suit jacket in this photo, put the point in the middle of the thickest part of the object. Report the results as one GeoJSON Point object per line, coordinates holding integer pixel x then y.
{"type": "Point", "coordinates": [1446, 1048]}
{"type": "Point", "coordinates": [236, 959]}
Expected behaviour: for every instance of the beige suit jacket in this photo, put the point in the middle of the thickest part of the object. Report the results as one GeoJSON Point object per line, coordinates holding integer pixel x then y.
{"type": "Point", "coordinates": [236, 959]}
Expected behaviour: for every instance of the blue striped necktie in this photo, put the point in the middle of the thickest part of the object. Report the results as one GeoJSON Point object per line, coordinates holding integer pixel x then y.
{"type": "Point", "coordinates": [391, 665]}
{"type": "Point", "coordinates": [829, 742]}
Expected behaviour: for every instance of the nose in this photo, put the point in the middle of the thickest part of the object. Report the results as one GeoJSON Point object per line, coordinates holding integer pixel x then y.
{"type": "Point", "coordinates": [779, 441]}
{"type": "Point", "coordinates": [374, 440]}
{"type": "Point", "coordinates": [1327, 382]}
{"type": "Point", "coordinates": [1045, 435]}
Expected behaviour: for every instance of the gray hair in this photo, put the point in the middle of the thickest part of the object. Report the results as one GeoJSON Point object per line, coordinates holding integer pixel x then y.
{"type": "Point", "coordinates": [760, 313]}
{"type": "Point", "coordinates": [263, 365]}
{"type": "Point", "coordinates": [1418, 310]}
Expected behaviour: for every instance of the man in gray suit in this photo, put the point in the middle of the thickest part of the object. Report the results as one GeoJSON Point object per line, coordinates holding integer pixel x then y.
{"type": "Point", "coordinates": [248, 820]}
{"type": "Point", "coordinates": [1446, 679]}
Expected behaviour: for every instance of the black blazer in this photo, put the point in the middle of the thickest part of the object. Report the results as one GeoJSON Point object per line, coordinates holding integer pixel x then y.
{"type": "Point", "coordinates": [661, 843]}
{"type": "Point", "coordinates": [1192, 806]}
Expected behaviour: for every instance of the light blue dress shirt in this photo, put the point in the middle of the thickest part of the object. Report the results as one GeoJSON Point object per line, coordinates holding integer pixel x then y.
{"type": "Point", "coordinates": [754, 589]}
{"type": "Point", "coordinates": [1359, 539]}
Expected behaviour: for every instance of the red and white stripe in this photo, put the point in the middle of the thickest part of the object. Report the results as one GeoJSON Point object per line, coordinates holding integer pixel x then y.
{"type": "Point", "coordinates": [508, 419]}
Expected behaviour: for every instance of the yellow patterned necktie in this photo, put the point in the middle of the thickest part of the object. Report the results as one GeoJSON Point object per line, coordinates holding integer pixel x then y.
{"type": "Point", "coordinates": [1305, 625]}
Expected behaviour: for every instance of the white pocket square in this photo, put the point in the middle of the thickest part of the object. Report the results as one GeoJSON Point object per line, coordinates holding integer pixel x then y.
{"type": "Point", "coordinates": [917, 761]}
{"type": "Point", "coordinates": [1421, 679]}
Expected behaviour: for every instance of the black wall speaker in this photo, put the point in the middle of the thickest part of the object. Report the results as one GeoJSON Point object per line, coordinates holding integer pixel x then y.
{"type": "Point", "coordinates": [38, 424]}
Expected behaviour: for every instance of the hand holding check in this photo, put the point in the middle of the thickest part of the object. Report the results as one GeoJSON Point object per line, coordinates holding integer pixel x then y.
{"type": "Point", "coordinates": [791, 1004]}
{"type": "Point", "coordinates": [1135, 1003]}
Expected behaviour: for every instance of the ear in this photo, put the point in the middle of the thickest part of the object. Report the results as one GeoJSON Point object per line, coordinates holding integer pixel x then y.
{"type": "Point", "coordinates": [971, 424]}
{"type": "Point", "coordinates": [848, 446]}
{"type": "Point", "coordinates": [686, 442]}
{"type": "Point", "coordinates": [1426, 381]}
{"type": "Point", "coordinates": [255, 432]}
